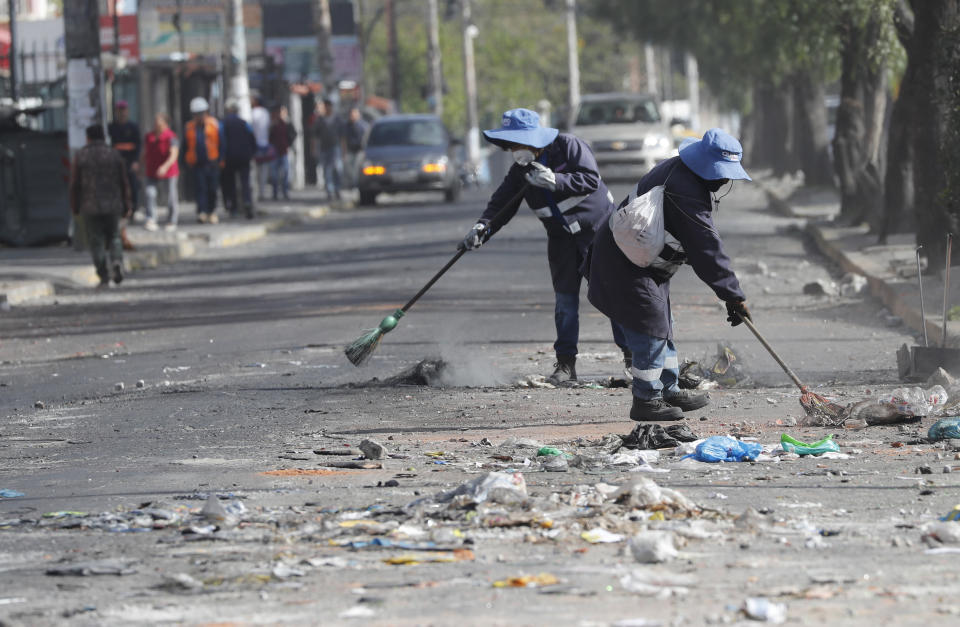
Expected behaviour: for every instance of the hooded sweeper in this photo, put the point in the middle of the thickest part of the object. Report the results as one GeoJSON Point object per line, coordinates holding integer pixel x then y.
{"type": "Point", "coordinates": [556, 174]}
{"type": "Point", "coordinates": [629, 276]}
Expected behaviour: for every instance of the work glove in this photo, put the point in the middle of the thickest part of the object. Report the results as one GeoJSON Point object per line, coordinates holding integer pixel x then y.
{"type": "Point", "coordinates": [475, 237]}
{"type": "Point", "coordinates": [737, 311]}
{"type": "Point", "coordinates": [541, 176]}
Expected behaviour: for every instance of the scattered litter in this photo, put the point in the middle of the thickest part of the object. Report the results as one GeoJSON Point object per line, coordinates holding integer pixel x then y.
{"type": "Point", "coordinates": [944, 429]}
{"type": "Point", "coordinates": [852, 283]}
{"type": "Point", "coordinates": [7, 493]}
{"type": "Point", "coordinates": [765, 610]}
{"type": "Point", "coordinates": [653, 547]}
{"type": "Point", "coordinates": [86, 569]}
{"type": "Point", "coordinates": [723, 448]}
{"type": "Point", "coordinates": [118, 386]}
{"type": "Point", "coordinates": [600, 535]}
{"type": "Point", "coordinates": [12, 600]}
{"type": "Point", "coordinates": [358, 611]}
{"type": "Point", "coordinates": [820, 287]}
{"type": "Point", "coordinates": [819, 447]}
{"type": "Point", "coordinates": [527, 581]}
{"type": "Point", "coordinates": [141, 384]}
{"type": "Point", "coordinates": [497, 487]}
{"type": "Point", "coordinates": [180, 581]}
{"type": "Point", "coordinates": [915, 401]}
{"type": "Point", "coordinates": [653, 436]}
{"type": "Point", "coordinates": [662, 585]}
{"type": "Point", "coordinates": [39, 405]}
{"type": "Point", "coordinates": [357, 464]}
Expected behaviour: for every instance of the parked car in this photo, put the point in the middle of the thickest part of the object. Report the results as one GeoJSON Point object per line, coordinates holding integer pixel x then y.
{"type": "Point", "coordinates": [409, 153]}
{"type": "Point", "coordinates": [625, 131]}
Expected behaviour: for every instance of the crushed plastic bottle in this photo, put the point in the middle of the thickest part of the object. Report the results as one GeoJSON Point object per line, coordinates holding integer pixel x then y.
{"type": "Point", "coordinates": [917, 402]}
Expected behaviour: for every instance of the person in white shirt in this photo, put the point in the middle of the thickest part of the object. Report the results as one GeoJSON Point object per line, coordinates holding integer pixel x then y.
{"type": "Point", "coordinates": [260, 122]}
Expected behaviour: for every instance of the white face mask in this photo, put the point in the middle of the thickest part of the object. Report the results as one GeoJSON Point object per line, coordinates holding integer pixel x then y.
{"type": "Point", "coordinates": [523, 156]}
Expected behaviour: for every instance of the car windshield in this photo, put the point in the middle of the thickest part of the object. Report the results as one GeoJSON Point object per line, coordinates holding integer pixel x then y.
{"type": "Point", "coordinates": [408, 133]}
{"type": "Point", "coordinates": [618, 112]}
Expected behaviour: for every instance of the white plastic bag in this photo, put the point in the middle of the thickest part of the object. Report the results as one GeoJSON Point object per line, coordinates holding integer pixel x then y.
{"type": "Point", "coordinates": [638, 227]}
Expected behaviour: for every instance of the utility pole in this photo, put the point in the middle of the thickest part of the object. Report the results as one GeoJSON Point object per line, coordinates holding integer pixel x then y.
{"type": "Point", "coordinates": [470, 84]}
{"type": "Point", "coordinates": [393, 60]}
{"type": "Point", "coordinates": [81, 20]}
{"type": "Point", "coordinates": [433, 58]}
{"type": "Point", "coordinates": [324, 27]}
{"type": "Point", "coordinates": [12, 56]}
{"type": "Point", "coordinates": [650, 57]}
{"type": "Point", "coordinates": [693, 90]}
{"type": "Point", "coordinates": [573, 63]}
{"type": "Point", "coordinates": [238, 87]}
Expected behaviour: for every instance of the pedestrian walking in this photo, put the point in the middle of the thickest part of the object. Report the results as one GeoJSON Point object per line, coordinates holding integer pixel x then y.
{"type": "Point", "coordinates": [558, 176]}
{"type": "Point", "coordinates": [240, 148]}
{"type": "Point", "coordinates": [203, 139]}
{"type": "Point", "coordinates": [125, 139]}
{"type": "Point", "coordinates": [100, 196]}
{"type": "Point", "coordinates": [326, 146]}
{"type": "Point", "coordinates": [260, 122]}
{"type": "Point", "coordinates": [354, 135]}
{"type": "Point", "coordinates": [161, 150]}
{"type": "Point", "coordinates": [282, 136]}
{"type": "Point", "coordinates": [638, 298]}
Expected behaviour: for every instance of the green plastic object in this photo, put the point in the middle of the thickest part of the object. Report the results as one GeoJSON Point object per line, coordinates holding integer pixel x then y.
{"type": "Point", "coordinates": [826, 445]}
{"type": "Point", "coordinates": [390, 322]}
{"type": "Point", "coordinates": [549, 450]}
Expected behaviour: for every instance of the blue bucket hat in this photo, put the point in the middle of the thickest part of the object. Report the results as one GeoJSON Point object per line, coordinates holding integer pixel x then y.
{"type": "Point", "coordinates": [716, 156]}
{"type": "Point", "coordinates": [521, 126]}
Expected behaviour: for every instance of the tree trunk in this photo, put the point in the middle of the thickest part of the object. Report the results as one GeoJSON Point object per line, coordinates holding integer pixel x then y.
{"type": "Point", "coordinates": [934, 21]}
{"type": "Point", "coordinates": [323, 27]}
{"type": "Point", "coordinates": [811, 144]}
{"type": "Point", "coordinates": [766, 130]}
{"type": "Point", "coordinates": [857, 153]}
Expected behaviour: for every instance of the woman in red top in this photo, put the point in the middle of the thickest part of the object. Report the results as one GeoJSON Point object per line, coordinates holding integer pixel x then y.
{"type": "Point", "coordinates": [161, 149]}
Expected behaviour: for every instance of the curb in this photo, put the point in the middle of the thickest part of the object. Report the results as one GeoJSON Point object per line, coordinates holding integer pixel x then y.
{"type": "Point", "coordinates": [147, 255]}
{"type": "Point", "coordinates": [18, 292]}
{"type": "Point", "coordinates": [854, 250]}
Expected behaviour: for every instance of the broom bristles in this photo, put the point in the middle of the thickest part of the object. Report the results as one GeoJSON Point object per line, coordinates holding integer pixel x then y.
{"type": "Point", "coordinates": [360, 350]}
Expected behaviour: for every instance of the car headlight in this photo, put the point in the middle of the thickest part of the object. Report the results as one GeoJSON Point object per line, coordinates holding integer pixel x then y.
{"type": "Point", "coordinates": [656, 141]}
{"type": "Point", "coordinates": [435, 166]}
{"type": "Point", "coordinates": [370, 169]}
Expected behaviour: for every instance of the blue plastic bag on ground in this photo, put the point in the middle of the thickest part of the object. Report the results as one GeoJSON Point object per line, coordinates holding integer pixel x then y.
{"type": "Point", "coordinates": [723, 448]}
{"type": "Point", "coordinates": [945, 429]}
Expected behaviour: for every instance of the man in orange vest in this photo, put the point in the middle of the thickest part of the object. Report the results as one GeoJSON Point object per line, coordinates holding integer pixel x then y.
{"type": "Point", "coordinates": [203, 139]}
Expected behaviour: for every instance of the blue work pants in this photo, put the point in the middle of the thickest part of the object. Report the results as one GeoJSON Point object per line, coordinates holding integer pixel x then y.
{"type": "Point", "coordinates": [656, 367]}
{"type": "Point", "coordinates": [567, 318]}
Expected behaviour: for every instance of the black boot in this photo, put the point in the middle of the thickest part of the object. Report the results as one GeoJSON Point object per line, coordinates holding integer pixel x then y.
{"type": "Point", "coordinates": [655, 410]}
{"type": "Point", "coordinates": [565, 370]}
{"type": "Point", "coordinates": [117, 273]}
{"type": "Point", "coordinates": [687, 400]}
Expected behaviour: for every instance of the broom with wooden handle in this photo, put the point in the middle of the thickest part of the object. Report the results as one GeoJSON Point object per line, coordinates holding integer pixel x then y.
{"type": "Point", "coordinates": [360, 350]}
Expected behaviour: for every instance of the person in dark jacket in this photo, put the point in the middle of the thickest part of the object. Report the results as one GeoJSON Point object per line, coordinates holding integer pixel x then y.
{"type": "Point", "coordinates": [240, 146]}
{"type": "Point", "coordinates": [125, 139]}
{"type": "Point", "coordinates": [282, 136]}
{"type": "Point", "coordinates": [560, 182]}
{"type": "Point", "coordinates": [100, 193]}
{"type": "Point", "coordinates": [638, 298]}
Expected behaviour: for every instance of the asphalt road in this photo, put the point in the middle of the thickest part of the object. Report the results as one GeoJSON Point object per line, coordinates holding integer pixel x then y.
{"type": "Point", "coordinates": [239, 352]}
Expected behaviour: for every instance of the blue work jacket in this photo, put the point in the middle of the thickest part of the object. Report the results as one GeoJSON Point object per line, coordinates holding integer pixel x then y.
{"type": "Point", "coordinates": [635, 297]}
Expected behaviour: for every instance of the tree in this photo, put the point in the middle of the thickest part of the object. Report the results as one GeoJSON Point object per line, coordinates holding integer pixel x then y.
{"type": "Point", "coordinates": [858, 146]}
{"type": "Point", "coordinates": [936, 52]}
{"type": "Point", "coordinates": [898, 191]}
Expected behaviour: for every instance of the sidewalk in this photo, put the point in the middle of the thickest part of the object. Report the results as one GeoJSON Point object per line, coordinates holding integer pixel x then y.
{"type": "Point", "coordinates": [890, 269]}
{"type": "Point", "coordinates": [31, 273]}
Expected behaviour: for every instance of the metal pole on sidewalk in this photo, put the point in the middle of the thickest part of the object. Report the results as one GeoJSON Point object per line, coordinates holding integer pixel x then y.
{"type": "Point", "coordinates": [573, 63]}
{"type": "Point", "coordinates": [12, 57]}
{"type": "Point", "coordinates": [470, 84]}
{"type": "Point", "coordinates": [238, 86]}
{"type": "Point", "coordinates": [433, 58]}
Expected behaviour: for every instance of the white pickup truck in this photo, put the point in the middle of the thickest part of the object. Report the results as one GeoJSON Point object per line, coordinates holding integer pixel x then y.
{"type": "Point", "coordinates": [626, 133]}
